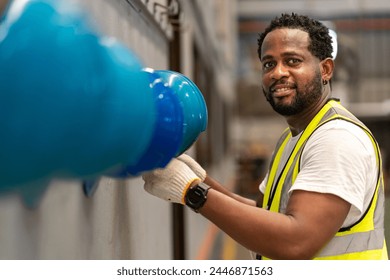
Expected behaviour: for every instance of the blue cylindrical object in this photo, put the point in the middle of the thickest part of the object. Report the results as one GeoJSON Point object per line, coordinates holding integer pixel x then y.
{"type": "Point", "coordinates": [75, 104]}
{"type": "Point", "coordinates": [72, 104]}
{"type": "Point", "coordinates": [181, 118]}
{"type": "Point", "coordinates": [168, 134]}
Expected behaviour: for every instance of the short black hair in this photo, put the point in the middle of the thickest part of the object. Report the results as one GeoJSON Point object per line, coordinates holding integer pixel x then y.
{"type": "Point", "coordinates": [320, 44]}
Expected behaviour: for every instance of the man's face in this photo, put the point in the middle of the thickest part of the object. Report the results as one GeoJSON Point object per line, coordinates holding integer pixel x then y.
{"type": "Point", "coordinates": [290, 73]}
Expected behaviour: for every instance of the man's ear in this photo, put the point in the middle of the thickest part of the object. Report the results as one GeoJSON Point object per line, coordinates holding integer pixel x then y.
{"type": "Point", "coordinates": [327, 66]}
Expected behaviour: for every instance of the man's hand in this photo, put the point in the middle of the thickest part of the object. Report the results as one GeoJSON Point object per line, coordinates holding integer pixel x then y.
{"type": "Point", "coordinates": [172, 182]}
{"type": "Point", "coordinates": [195, 167]}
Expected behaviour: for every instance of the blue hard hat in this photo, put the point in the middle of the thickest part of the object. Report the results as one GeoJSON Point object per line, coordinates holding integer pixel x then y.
{"type": "Point", "coordinates": [192, 103]}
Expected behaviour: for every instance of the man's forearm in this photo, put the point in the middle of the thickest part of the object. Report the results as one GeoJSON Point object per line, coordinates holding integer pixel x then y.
{"type": "Point", "coordinates": [219, 187]}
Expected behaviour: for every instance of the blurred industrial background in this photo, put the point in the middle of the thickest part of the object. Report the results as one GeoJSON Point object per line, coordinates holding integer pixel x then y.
{"type": "Point", "coordinates": [214, 43]}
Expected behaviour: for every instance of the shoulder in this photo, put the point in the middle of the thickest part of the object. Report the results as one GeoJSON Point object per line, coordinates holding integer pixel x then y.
{"type": "Point", "coordinates": [341, 135]}
{"type": "Point", "coordinates": [343, 148]}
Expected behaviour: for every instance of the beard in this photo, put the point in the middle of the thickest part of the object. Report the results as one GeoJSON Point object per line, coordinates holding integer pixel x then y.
{"type": "Point", "coordinates": [303, 98]}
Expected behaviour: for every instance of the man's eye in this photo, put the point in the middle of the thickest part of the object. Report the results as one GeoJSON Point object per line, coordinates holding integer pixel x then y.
{"type": "Point", "coordinates": [267, 65]}
{"type": "Point", "coordinates": [293, 61]}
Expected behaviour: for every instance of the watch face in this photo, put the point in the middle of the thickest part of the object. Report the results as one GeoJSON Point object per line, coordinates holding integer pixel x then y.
{"type": "Point", "coordinates": [194, 195]}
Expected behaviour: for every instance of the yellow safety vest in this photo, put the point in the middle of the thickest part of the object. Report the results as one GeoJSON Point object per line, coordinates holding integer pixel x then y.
{"type": "Point", "coordinates": [363, 240]}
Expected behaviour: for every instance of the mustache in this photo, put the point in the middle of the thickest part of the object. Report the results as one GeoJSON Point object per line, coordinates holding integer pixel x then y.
{"type": "Point", "coordinates": [280, 82]}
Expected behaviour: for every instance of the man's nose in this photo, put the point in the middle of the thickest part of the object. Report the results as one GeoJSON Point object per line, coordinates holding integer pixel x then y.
{"type": "Point", "coordinates": [280, 71]}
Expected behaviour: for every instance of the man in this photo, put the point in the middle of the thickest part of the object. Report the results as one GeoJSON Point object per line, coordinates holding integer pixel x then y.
{"type": "Point", "coordinates": [323, 194]}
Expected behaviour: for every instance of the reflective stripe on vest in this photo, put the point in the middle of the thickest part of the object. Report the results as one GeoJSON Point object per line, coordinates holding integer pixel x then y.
{"type": "Point", "coordinates": [364, 239]}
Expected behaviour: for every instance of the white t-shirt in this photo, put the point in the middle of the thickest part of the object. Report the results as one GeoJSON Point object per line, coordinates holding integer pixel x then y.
{"type": "Point", "coordinates": [339, 159]}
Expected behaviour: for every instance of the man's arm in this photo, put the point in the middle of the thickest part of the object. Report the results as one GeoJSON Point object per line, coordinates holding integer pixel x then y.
{"type": "Point", "coordinates": [202, 174]}
{"type": "Point", "coordinates": [311, 220]}
{"type": "Point", "coordinates": [214, 184]}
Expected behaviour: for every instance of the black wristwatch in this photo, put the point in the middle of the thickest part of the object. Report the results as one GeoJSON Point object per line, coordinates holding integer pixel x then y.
{"type": "Point", "coordinates": [196, 196]}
